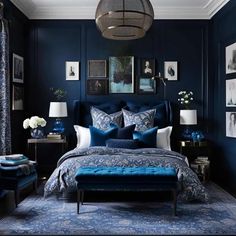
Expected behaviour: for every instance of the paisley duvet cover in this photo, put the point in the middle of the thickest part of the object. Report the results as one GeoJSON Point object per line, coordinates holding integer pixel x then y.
{"type": "Point", "coordinates": [63, 177]}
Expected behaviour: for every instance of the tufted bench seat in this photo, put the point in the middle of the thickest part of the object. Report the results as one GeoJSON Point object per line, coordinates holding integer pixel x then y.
{"type": "Point", "coordinates": [126, 179]}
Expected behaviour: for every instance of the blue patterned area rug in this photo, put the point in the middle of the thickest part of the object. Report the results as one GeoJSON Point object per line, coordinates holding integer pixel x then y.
{"type": "Point", "coordinates": [36, 215]}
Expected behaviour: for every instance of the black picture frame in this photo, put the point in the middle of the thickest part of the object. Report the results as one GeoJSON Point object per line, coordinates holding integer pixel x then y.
{"type": "Point", "coordinates": [17, 68]}
{"type": "Point", "coordinates": [147, 67]}
{"type": "Point", "coordinates": [17, 98]}
{"type": "Point", "coordinates": [146, 86]}
{"type": "Point", "coordinates": [97, 68]}
{"type": "Point", "coordinates": [97, 87]}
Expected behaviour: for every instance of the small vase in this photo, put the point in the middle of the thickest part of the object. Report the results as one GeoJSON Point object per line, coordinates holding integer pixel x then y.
{"type": "Point", "coordinates": [37, 133]}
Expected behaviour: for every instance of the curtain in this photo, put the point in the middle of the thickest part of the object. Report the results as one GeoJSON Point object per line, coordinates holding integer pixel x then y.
{"type": "Point", "coordinates": [5, 121]}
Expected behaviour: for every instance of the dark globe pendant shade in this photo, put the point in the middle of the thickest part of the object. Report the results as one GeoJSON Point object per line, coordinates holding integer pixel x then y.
{"type": "Point", "coordinates": [124, 19]}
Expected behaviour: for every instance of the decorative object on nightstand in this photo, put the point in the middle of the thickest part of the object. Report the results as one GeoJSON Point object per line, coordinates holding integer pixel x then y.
{"type": "Point", "coordinates": [36, 124]}
{"type": "Point", "coordinates": [58, 110]}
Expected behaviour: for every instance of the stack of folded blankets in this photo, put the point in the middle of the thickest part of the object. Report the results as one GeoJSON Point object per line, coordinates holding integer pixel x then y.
{"type": "Point", "coordinates": [18, 160]}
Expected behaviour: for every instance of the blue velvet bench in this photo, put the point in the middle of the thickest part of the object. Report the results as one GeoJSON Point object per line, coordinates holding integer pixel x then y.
{"type": "Point", "coordinates": [15, 179]}
{"type": "Point", "coordinates": [126, 179]}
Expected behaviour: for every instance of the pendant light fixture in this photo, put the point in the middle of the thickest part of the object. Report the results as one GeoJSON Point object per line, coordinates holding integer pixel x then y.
{"type": "Point", "coordinates": [124, 19]}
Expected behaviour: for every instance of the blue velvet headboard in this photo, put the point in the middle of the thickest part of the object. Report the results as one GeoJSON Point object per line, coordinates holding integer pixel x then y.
{"type": "Point", "coordinates": [163, 116]}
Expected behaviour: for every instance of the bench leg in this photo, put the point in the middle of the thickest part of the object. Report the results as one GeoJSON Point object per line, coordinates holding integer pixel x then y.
{"type": "Point", "coordinates": [174, 202]}
{"type": "Point", "coordinates": [78, 200]}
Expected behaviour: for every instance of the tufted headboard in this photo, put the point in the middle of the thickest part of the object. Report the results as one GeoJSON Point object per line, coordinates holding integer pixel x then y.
{"type": "Point", "coordinates": [163, 115]}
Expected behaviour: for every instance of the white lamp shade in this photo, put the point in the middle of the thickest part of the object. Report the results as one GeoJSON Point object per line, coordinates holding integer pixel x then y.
{"type": "Point", "coordinates": [188, 117]}
{"type": "Point", "coordinates": [58, 109]}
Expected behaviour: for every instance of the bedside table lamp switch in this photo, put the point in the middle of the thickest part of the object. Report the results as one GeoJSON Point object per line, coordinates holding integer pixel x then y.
{"type": "Point", "coordinates": [188, 117]}
{"type": "Point", "coordinates": [58, 110]}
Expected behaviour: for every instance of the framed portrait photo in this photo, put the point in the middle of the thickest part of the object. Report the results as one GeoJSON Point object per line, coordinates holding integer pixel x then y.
{"type": "Point", "coordinates": [230, 93]}
{"type": "Point", "coordinates": [231, 124]}
{"type": "Point", "coordinates": [97, 68]}
{"type": "Point", "coordinates": [147, 68]}
{"type": "Point", "coordinates": [17, 98]}
{"type": "Point", "coordinates": [97, 87]}
{"type": "Point", "coordinates": [18, 69]}
{"type": "Point", "coordinates": [230, 58]}
{"type": "Point", "coordinates": [121, 74]}
{"type": "Point", "coordinates": [171, 70]}
{"type": "Point", "coordinates": [146, 86]}
{"type": "Point", "coordinates": [72, 70]}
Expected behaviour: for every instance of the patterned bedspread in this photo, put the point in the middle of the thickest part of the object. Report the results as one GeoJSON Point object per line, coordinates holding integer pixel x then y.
{"type": "Point", "coordinates": [63, 177]}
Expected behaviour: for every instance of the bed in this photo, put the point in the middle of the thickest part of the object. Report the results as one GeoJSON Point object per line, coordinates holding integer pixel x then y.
{"type": "Point", "coordinates": [62, 179]}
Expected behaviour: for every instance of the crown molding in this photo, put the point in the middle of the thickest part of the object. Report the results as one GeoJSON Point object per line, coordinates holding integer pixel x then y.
{"type": "Point", "coordinates": [32, 11]}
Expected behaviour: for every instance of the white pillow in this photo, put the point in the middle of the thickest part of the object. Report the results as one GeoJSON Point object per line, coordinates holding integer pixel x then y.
{"type": "Point", "coordinates": [83, 136]}
{"type": "Point", "coordinates": [163, 138]}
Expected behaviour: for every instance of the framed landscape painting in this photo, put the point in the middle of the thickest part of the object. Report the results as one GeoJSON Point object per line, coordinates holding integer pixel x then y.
{"type": "Point", "coordinates": [146, 86]}
{"type": "Point", "coordinates": [121, 74]}
{"type": "Point", "coordinates": [18, 68]}
{"type": "Point", "coordinates": [230, 58]}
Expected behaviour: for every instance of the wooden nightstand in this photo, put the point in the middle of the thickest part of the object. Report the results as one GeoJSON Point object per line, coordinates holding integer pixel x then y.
{"type": "Point", "coordinates": [35, 142]}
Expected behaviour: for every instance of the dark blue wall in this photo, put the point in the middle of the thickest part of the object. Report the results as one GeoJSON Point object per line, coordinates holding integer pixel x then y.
{"type": "Point", "coordinates": [54, 42]}
{"type": "Point", "coordinates": [223, 34]}
{"type": "Point", "coordinates": [18, 31]}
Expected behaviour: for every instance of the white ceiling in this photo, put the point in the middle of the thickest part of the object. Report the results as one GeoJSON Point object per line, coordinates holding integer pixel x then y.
{"type": "Point", "coordinates": [85, 9]}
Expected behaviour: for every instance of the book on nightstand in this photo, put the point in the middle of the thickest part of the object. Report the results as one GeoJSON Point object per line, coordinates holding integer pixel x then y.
{"type": "Point", "coordinates": [54, 136]}
{"type": "Point", "coordinates": [13, 160]}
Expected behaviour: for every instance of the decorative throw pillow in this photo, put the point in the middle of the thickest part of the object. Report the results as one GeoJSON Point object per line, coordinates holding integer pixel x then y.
{"type": "Point", "coordinates": [123, 143]}
{"type": "Point", "coordinates": [163, 138]}
{"type": "Point", "coordinates": [83, 136]}
{"type": "Point", "coordinates": [125, 132]}
{"type": "Point", "coordinates": [102, 120]}
{"type": "Point", "coordinates": [99, 137]}
{"type": "Point", "coordinates": [143, 120]}
{"type": "Point", "coordinates": [147, 137]}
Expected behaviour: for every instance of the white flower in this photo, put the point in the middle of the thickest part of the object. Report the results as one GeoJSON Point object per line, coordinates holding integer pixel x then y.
{"type": "Point", "coordinates": [26, 123]}
{"type": "Point", "coordinates": [34, 122]}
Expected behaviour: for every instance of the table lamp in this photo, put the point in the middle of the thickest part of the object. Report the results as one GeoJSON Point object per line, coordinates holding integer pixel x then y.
{"type": "Point", "coordinates": [188, 117]}
{"type": "Point", "coordinates": [58, 110]}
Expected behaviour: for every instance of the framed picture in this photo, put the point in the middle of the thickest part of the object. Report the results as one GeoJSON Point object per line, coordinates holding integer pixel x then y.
{"type": "Point", "coordinates": [147, 68]}
{"type": "Point", "coordinates": [171, 70]}
{"type": "Point", "coordinates": [146, 86]}
{"type": "Point", "coordinates": [18, 68]}
{"type": "Point", "coordinates": [230, 93]}
{"type": "Point", "coordinates": [121, 74]}
{"type": "Point", "coordinates": [97, 68]}
{"type": "Point", "coordinates": [72, 70]}
{"type": "Point", "coordinates": [17, 98]}
{"type": "Point", "coordinates": [230, 59]}
{"type": "Point", "coordinates": [231, 124]}
{"type": "Point", "coordinates": [97, 87]}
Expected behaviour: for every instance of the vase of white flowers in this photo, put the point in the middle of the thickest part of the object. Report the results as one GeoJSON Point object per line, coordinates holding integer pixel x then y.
{"type": "Point", "coordinates": [36, 125]}
{"type": "Point", "coordinates": [185, 98]}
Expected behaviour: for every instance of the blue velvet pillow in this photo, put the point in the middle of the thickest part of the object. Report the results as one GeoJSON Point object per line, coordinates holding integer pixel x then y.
{"type": "Point", "coordinates": [125, 132]}
{"type": "Point", "coordinates": [99, 137]}
{"type": "Point", "coordinates": [123, 143]}
{"type": "Point", "coordinates": [147, 137]}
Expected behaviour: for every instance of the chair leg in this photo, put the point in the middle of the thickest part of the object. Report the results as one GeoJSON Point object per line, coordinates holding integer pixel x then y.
{"type": "Point", "coordinates": [17, 194]}
{"type": "Point", "coordinates": [82, 197]}
{"type": "Point", "coordinates": [174, 202]}
{"type": "Point", "coordinates": [78, 200]}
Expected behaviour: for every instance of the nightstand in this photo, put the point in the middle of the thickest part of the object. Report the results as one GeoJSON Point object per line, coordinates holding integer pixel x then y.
{"type": "Point", "coordinates": [195, 150]}
{"type": "Point", "coordinates": [35, 142]}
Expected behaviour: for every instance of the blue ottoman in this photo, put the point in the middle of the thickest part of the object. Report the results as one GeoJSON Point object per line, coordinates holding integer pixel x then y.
{"type": "Point", "coordinates": [15, 179]}
{"type": "Point", "coordinates": [126, 179]}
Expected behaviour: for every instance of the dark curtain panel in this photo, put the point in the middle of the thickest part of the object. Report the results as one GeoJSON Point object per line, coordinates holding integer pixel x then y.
{"type": "Point", "coordinates": [5, 121]}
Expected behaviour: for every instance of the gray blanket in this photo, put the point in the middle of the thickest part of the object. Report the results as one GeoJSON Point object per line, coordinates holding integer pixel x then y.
{"type": "Point", "coordinates": [63, 177]}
